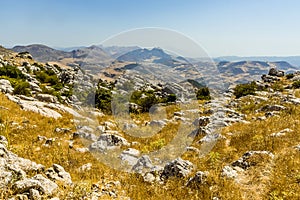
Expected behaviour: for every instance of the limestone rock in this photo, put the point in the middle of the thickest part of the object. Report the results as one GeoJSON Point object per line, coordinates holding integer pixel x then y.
{"type": "Point", "coordinates": [47, 98]}
{"type": "Point", "coordinates": [229, 172]}
{"type": "Point", "coordinates": [5, 86]}
{"type": "Point", "coordinates": [130, 156]}
{"type": "Point", "coordinates": [199, 178]}
{"type": "Point", "coordinates": [252, 158]}
{"type": "Point", "coordinates": [108, 141]}
{"type": "Point", "coordinates": [178, 167]}
{"type": "Point", "coordinates": [58, 173]}
{"type": "Point", "coordinates": [142, 164]}
{"type": "Point", "coordinates": [38, 182]}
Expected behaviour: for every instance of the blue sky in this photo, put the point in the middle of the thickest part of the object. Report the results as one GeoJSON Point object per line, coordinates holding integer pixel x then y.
{"type": "Point", "coordinates": [228, 27]}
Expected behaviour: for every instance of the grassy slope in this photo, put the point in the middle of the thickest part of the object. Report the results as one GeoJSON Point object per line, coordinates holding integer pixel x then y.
{"type": "Point", "coordinates": [278, 179]}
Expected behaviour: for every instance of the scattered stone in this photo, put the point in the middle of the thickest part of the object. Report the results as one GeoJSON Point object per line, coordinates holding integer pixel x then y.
{"type": "Point", "coordinates": [154, 175]}
{"type": "Point", "coordinates": [85, 135]}
{"type": "Point", "coordinates": [62, 130]}
{"type": "Point", "coordinates": [157, 123]}
{"type": "Point", "coordinates": [128, 126]}
{"type": "Point", "coordinates": [130, 156]}
{"type": "Point", "coordinates": [281, 133]}
{"type": "Point", "coordinates": [34, 87]}
{"type": "Point", "coordinates": [101, 129]}
{"type": "Point", "coordinates": [275, 72]}
{"type": "Point", "coordinates": [271, 114]}
{"type": "Point", "coordinates": [178, 168]}
{"type": "Point", "coordinates": [3, 140]}
{"type": "Point", "coordinates": [202, 121]}
{"type": "Point", "coordinates": [269, 79]}
{"type": "Point", "coordinates": [142, 164]}
{"type": "Point", "coordinates": [109, 125]}
{"type": "Point", "coordinates": [297, 147]}
{"type": "Point", "coordinates": [34, 194]}
{"type": "Point", "coordinates": [270, 108]}
{"type": "Point", "coordinates": [5, 86]}
{"type": "Point", "coordinates": [198, 179]}
{"type": "Point", "coordinates": [38, 182]}
{"type": "Point", "coordinates": [82, 150]}
{"type": "Point", "coordinates": [229, 172]}
{"type": "Point", "coordinates": [47, 98]}
{"type": "Point", "coordinates": [252, 158]}
{"type": "Point", "coordinates": [108, 141]}
{"type": "Point", "coordinates": [85, 167]}
{"type": "Point", "coordinates": [192, 149]}
{"type": "Point", "coordinates": [58, 173]}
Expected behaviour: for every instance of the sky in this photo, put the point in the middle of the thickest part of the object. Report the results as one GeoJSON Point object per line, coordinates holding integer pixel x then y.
{"type": "Point", "coordinates": [221, 28]}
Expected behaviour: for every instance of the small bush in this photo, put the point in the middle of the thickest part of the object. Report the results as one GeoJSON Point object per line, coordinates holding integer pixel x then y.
{"type": "Point", "coordinates": [289, 76]}
{"type": "Point", "coordinates": [22, 88]}
{"type": "Point", "coordinates": [277, 86]}
{"type": "Point", "coordinates": [296, 84]}
{"type": "Point", "coordinates": [145, 99]}
{"type": "Point", "coordinates": [203, 94]}
{"type": "Point", "coordinates": [47, 76]}
{"type": "Point", "coordinates": [11, 72]}
{"type": "Point", "coordinates": [171, 98]}
{"type": "Point", "coordinates": [245, 89]}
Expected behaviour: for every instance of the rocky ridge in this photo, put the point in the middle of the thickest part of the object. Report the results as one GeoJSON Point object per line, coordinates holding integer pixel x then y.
{"type": "Point", "coordinates": [215, 115]}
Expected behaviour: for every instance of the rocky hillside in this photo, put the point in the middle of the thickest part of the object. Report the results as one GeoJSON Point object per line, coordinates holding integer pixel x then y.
{"type": "Point", "coordinates": [88, 57]}
{"type": "Point", "coordinates": [245, 71]}
{"type": "Point", "coordinates": [43, 53]}
{"type": "Point", "coordinates": [64, 134]}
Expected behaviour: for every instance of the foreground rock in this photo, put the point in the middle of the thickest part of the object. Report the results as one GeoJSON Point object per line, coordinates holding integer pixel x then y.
{"type": "Point", "coordinates": [5, 86]}
{"type": "Point", "coordinates": [108, 141]}
{"type": "Point", "coordinates": [58, 174]}
{"type": "Point", "coordinates": [248, 160]}
{"type": "Point", "coordinates": [39, 183]}
{"type": "Point", "coordinates": [177, 168]}
{"type": "Point", "coordinates": [198, 179]}
{"type": "Point", "coordinates": [14, 172]}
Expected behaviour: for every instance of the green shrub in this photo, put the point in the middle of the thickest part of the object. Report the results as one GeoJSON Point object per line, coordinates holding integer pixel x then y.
{"type": "Point", "coordinates": [245, 89]}
{"type": "Point", "coordinates": [22, 88]}
{"type": "Point", "coordinates": [51, 92]}
{"type": "Point", "coordinates": [145, 99]}
{"type": "Point", "coordinates": [277, 86]}
{"type": "Point", "coordinates": [102, 99]}
{"type": "Point", "coordinates": [203, 93]}
{"type": "Point", "coordinates": [171, 98]}
{"type": "Point", "coordinates": [47, 76]}
{"type": "Point", "coordinates": [11, 72]}
{"type": "Point", "coordinates": [289, 76]}
{"type": "Point", "coordinates": [296, 84]}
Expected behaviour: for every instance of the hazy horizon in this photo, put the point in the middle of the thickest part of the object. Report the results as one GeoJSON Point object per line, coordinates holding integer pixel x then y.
{"type": "Point", "coordinates": [231, 28]}
{"type": "Point", "coordinates": [63, 48]}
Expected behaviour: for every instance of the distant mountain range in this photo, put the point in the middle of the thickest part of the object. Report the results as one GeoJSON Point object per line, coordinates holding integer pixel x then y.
{"type": "Point", "coordinates": [43, 53]}
{"type": "Point", "coordinates": [155, 55]}
{"type": "Point", "coordinates": [112, 60]}
{"type": "Point", "coordinates": [294, 60]}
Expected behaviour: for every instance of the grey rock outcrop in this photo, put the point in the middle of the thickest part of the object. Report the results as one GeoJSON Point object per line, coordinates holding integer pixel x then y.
{"type": "Point", "coordinates": [38, 182]}
{"type": "Point", "coordinates": [252, 158]}
{"type": "Point", "coordinates": [143, 164]}
{"type": "Point", "coordinates": [14, 172]}
{"type": "Point", "coordinates": [275, 72]}
{"type": "Point", "coordinates": [108, 141]}
{"type": "Point", "coordinates": [47, 98]}
{"type": "Point", "coordinates": [177, 168]}
{"type": "Point", "coordinates": [5, 86]}
{"type": "Point", "coordinates": [199, 178]}
{"type": "Point", "coordinates": [58, 173]}
{"type": "Point", "coordinates": [130, 156]}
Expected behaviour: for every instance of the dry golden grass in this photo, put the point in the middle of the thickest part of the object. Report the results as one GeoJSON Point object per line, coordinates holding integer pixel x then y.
{"type": "Point", "coordinates": [279, 179]}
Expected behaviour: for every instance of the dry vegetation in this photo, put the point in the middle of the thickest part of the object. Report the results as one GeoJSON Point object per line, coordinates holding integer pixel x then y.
{"type": "Point", "coordinates": [276, 179]}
